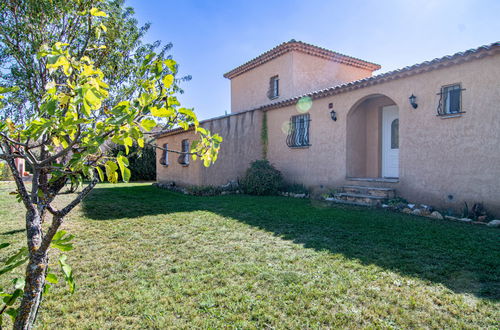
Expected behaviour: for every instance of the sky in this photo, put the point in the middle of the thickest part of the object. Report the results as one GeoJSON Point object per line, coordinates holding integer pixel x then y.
{"type": "Point", "coordinates": [212, 37]}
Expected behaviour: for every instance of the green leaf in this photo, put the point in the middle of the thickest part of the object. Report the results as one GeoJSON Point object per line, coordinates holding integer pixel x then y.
{"type": "Point", "coordinates": [123, 163]}
{"type": "Point", "coordinates": [97, 12]}
{"type": "Point", "coordinates": [68, 273]}
{"type": "Point", "coordinates": [162, 112]}
{"type": "Point", "coordinates": [4, 245]}
{"type": "Point", "coordinates": [51, 278]}
{"type": "Point", "coordinates": [148, 124]}
{"type": "Point", "coordinates": [101, 173]}
{"type": "Point", "coordinates": [4, 90]}
{"type": "Point", "coordinates": [168, 80]}
{"type": "Point", "coordinates": [12, 312]}
{"type": "Point", "coordinates": [140, 142]}
{"type": "Point", "coordinates": [60, 241]}
{"type": "Point", "coordinates": [111, 168]}
{"type": "Point", "coordinates": [22, 252]}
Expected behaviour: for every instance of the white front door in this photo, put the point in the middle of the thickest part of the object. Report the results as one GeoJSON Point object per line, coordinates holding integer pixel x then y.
{"type": "Point", "coordinates": [390, 142]}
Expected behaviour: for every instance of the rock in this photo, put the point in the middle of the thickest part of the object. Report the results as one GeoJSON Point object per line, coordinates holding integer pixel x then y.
{"type": "Point", "coordinates": [436, 215]}
{"type": "Point", "coordinates": [385, 206]}
{"type": "Point", "coordinates": [482, 218]}
{"type": "Point", "coordinates": [411, 206]}
{"type": "Point", "coordinates": [406, 210]}
{"type": "Point", "coordinates": [494, 223]}
{"type": "Point", "coordinates": [449, 217]}
{"type": "Point", "coordinates": [416, 212]}
{"type": "Point", "coordinates": [425, 212]}
{"type": "Point", "coordinates": [330, 199]}
{"type": "Point", "coordinates": [465, 220]}
{"type": "Point", "coordinates": [300, 195]}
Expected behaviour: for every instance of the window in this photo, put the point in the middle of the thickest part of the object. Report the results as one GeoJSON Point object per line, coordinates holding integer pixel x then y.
{"type": "Point", "coordinates": [184, 157]}
{"type": "Point", "coordinates": [164, 156]}
{"type": "Point", "coordinates": [450, 101]}
{"type": "Point", "coordinates": [274, 87]}
{"type": "Point", "coordinates": [395, 134]}
{"type": "Point", "coordinates": [298, 132]}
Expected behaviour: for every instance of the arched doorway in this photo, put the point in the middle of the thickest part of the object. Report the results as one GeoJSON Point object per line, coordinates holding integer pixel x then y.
{"type": "Point", "coordinates": [373, 138]}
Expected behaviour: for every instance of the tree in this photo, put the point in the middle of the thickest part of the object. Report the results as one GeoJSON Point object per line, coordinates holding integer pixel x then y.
{"type": "Point", "coordinates": [62, 135]}
{"type": "Point", "coordinates": [29, 24]}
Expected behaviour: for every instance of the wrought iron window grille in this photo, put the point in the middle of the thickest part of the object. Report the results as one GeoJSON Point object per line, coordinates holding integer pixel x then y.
{"type": "Point", "coordinates": [450, 100]}
{"type": "Point", "coordinates": [298, 131]}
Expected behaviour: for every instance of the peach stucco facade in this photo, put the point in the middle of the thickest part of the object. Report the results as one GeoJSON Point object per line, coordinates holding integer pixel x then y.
{"type": "Point", "coordinates": [443, 160]}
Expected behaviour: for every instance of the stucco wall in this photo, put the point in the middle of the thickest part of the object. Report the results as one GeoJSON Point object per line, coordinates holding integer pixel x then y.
{"type": "Point", "coordinates": [456, 157]}
{"type": "Point", "coordinates": [298, 73]}
{"type": "Point", "coordinates": [312, 73]}
{"type": "Point", "coordinates": [249, 90]}
{"type": "Point", "coordinates": [241, 145]}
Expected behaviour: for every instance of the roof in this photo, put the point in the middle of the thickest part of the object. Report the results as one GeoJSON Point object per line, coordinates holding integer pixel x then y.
{"type": "Point", "coordinates": [437, 63]}
{"type": "Point", "coordinates": [302, 47]}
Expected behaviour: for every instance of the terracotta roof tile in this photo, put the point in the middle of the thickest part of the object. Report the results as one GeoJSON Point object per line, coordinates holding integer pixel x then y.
{"type": "Point", "coordinates": [407, 71]}
{"type": "Point", "coordinates": [303, 47]}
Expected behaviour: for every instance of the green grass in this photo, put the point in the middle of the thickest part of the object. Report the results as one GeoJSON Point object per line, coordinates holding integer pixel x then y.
{"type": "Point", "coordinates": [150, 258]}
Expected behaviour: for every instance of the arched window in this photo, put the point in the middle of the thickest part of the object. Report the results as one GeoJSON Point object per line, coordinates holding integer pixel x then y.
{"type": "Point", "coordinates": [395, 134]}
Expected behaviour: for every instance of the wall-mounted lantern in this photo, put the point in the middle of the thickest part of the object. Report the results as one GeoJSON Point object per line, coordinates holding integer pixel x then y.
{"type": "Point", "coordinates": [413, 100]}
{"type": "Point", "coordinates": [333, 114]}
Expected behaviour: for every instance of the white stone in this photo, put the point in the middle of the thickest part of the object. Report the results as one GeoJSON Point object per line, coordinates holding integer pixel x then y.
{"type": "Point", "coordinates": [411, 206]}
{"type": "Point", "coordinates": [494, 223]}
{"type": "Point", "coordinates": [330, 199]}
{"type": "Point", "coordinates": [417, 212]}
{"type": "Point", "coordinates": [465, 220]}
{"type": "Point", "coordinates": [385, 206]}
{"type": "Point", "coordinates": [436, 215]}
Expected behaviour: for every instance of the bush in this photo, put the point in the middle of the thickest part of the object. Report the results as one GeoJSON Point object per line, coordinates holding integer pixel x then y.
{"type": "Point", "coordinates": [5, 172]}
{"type": "Point", "coordinates": [262, 179]}
{"type": "Point", "coordinates": [142, 161]}
{"type": "Point", "coordinates": [295, 188]}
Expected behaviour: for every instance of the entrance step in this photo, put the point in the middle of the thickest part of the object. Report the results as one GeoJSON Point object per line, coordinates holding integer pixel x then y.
{"type": "Point", "coordinates": [370, 191]}
{"type": "Point", "coordinates": [363, 195]}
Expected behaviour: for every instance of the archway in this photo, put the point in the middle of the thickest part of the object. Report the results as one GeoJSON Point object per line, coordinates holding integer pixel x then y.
{"type": "Point", "coordinates": [373, 138]}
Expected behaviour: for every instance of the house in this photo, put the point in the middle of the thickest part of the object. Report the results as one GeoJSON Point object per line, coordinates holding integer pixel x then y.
{"type": "Point", "coordinates": [430, 131]}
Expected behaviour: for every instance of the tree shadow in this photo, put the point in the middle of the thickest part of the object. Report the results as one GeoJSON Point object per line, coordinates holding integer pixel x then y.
{"type": "Point", "coordinates": [462, 257]}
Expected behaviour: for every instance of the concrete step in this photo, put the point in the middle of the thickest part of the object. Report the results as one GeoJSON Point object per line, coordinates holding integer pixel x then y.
{"type": "Point", "coordinates": [387, 193]}
{"type": "Point", "coordinates": [341, 201]}
{"type": "Point", "coordinates": [368, 200]}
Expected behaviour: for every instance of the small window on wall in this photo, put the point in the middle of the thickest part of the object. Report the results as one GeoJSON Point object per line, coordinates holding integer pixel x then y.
{"type": "Point", "coordinates": [274, 87]}
{"type": "Point", "coordinates": [184, 157]}
{"type": "Point", "coordinates": [450, 101]}
{"type": "Point", "coordinates": [164, 156]}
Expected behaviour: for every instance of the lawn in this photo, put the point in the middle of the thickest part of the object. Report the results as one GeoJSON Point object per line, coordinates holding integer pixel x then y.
{"type": "Point", "coordinates": [150, 258]}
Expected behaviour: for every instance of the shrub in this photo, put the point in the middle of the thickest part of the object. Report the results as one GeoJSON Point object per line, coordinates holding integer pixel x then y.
{"type": "Point", "coordinates": [5, 172]}
{"type": "Point", "coordinates": [262, 179]}
{"type": "Point", "coordinates": [142, 162]}
{"type": "Point", "coordinates": [295, 188]}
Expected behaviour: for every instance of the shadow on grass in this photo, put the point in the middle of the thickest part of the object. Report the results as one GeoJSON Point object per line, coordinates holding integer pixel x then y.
{"type": "Point", "coordinates": [462, 257]}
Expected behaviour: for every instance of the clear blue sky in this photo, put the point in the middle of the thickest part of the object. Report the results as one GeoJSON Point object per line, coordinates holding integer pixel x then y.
{"type": "Point", "coordinates": [214, 36]}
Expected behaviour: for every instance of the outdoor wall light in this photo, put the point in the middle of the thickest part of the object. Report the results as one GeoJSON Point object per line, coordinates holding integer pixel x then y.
{"type": "Point", "coordinates": [333, 114]}
{"type": "Point", "coordinates": [413, 102]}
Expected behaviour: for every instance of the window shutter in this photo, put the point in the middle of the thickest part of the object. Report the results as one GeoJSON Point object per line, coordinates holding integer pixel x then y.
{"type": "Point", "coordinates": [164, 155]}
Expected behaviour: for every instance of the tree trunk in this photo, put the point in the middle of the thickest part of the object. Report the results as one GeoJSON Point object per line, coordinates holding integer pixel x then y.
{"type": "Point", "coordinates": [35, 274]}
